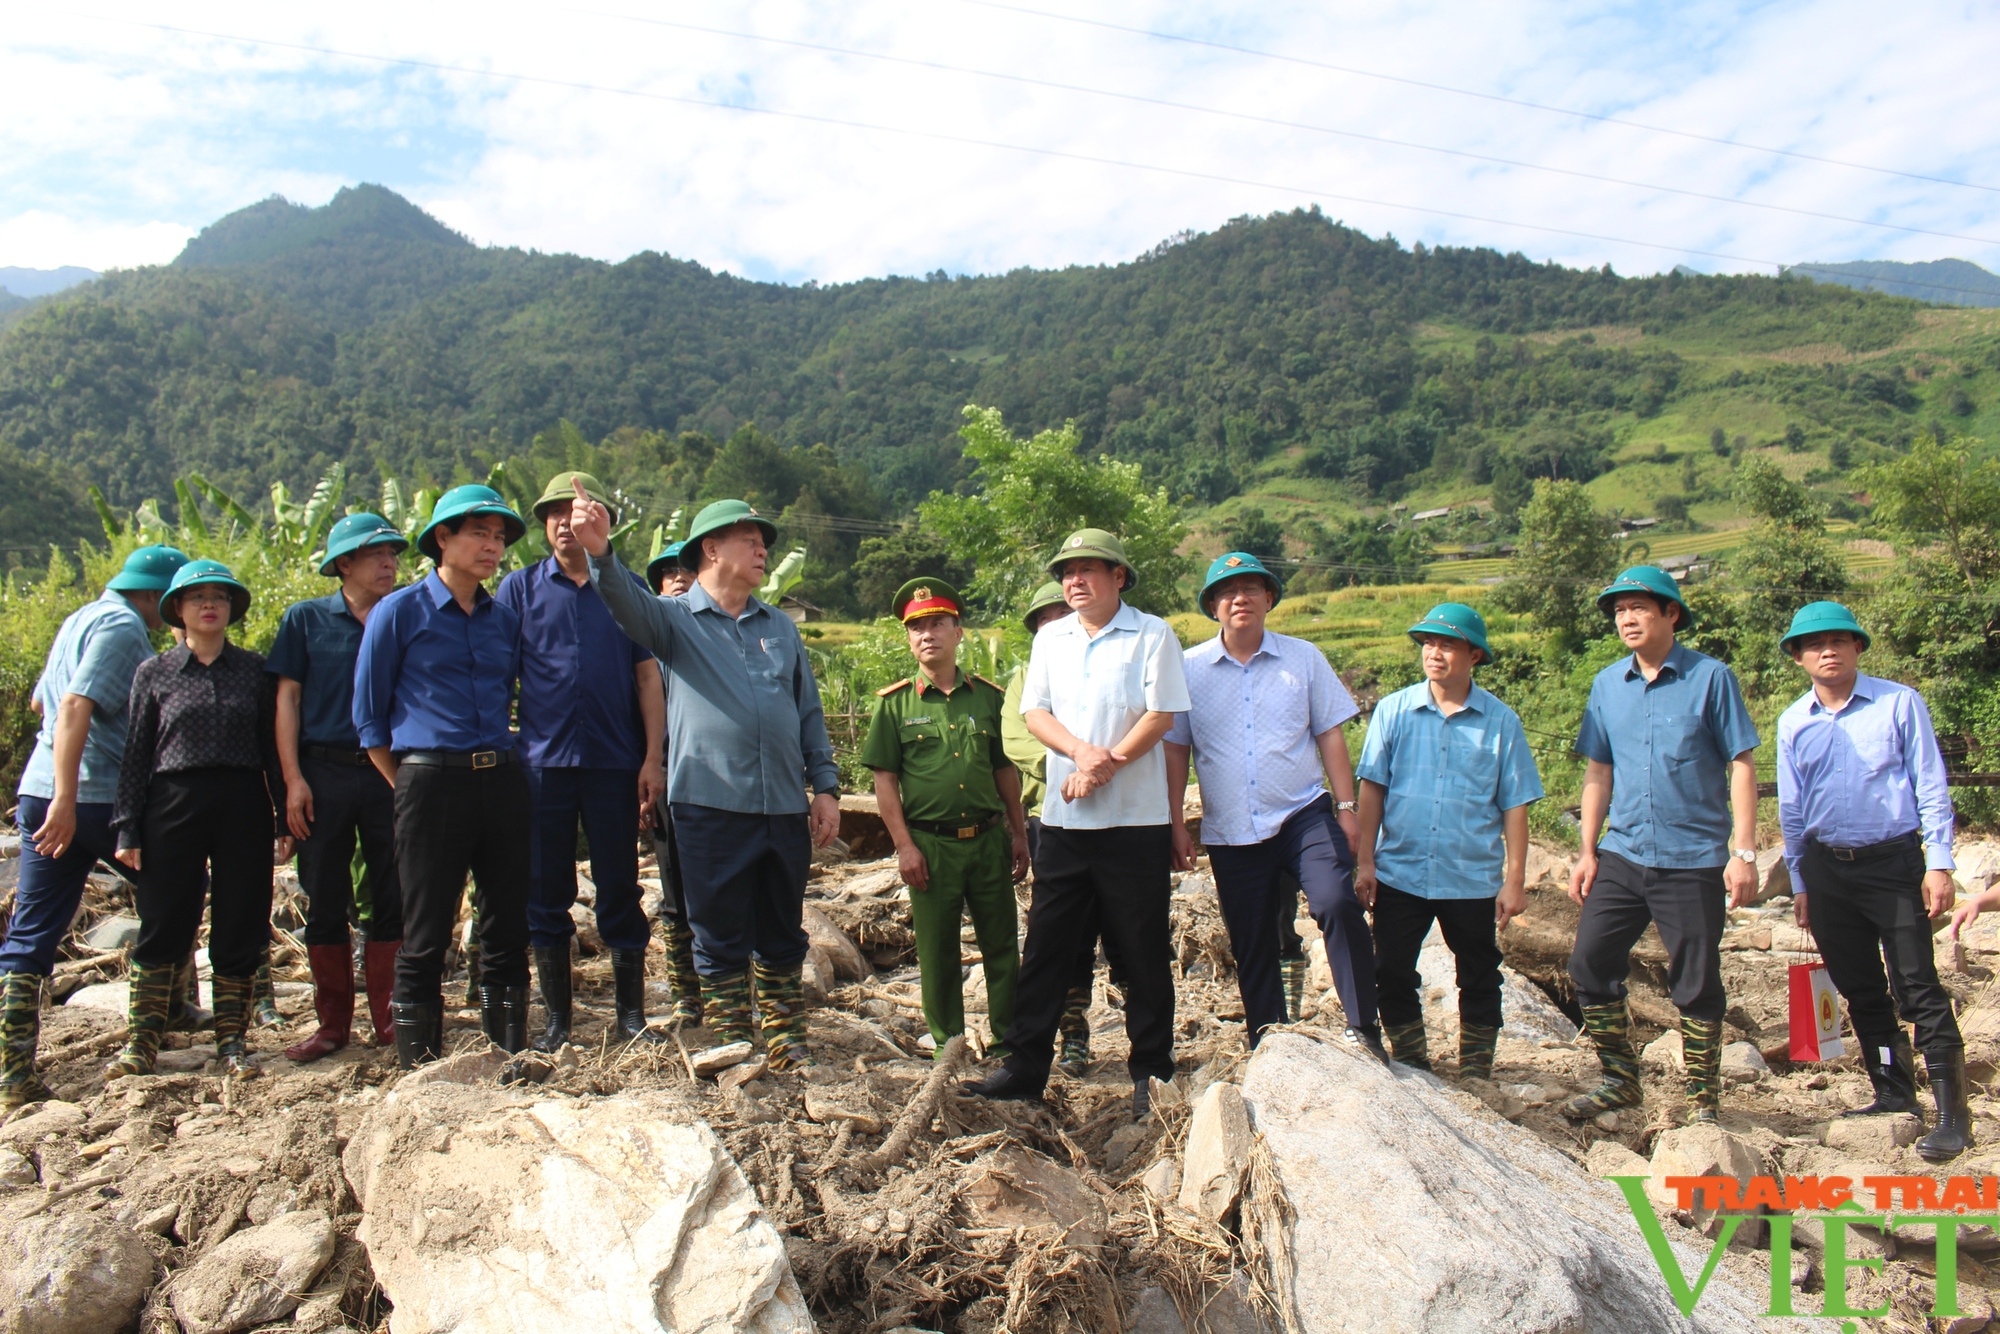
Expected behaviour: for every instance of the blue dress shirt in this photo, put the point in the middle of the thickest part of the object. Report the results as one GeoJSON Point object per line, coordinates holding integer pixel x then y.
{"type": "Point", "coordinates": [1865, 774]}
{"type": "Point", "coordinates": [1449, 782]}
{"type": "Point", "coordinates": [579, 702]}
{"type": "Point", "coordinates": [1254, 728]}
{"type": "Point", "coordinates": [430, 677]}
{"type": "Point", "coordinates": [1669, 742]}
{"type": "Point", "coordinates": [99, 647]}
{"type": "Point", "coordinates": [318, 641]}
{"type": "Point", "coordinates": [745, 730]}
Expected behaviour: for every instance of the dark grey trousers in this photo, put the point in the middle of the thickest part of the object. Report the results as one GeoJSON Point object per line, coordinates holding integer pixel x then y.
{"type": "Point", "coordinates": [1690, 907]}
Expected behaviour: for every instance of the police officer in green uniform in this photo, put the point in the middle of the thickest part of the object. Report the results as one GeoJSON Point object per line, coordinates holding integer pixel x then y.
{"type": "Point", "coordinates": [945, 787]}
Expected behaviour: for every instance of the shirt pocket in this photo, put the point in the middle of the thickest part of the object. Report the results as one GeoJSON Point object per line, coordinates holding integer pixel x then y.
{"type": "Point", "coordinates": [1681, 738]}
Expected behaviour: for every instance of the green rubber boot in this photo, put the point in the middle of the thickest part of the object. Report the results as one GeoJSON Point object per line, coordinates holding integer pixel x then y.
{"type": "Point", "coordinates": [234, 997]}
{"type": "Point", "coordinates": [20, 1030]}
{"type": "Point", "coordinates": [682, 979]}
{"type": "Point", "coordinates": [1701, 1045]}
{"type": "Point", "coordinates": [1610, 1029]}
{"type": "Point", "coordinates": [1408, 1045]}
{"type": "Point", "coordinates": [147, 991]}
{"type": "Point", "coordinates": [1476, 1043]}
{"type": "Point", "coordinates": [264, 999]}
{"type": "Point", "coordinates": [1293, 972]}
{"type": "Point", "coordinates": [1074, 1059]}
{"type": "Point", "coordinates": [781, 1007]}
{"type": "Point", "coordinates": [727, 1001]}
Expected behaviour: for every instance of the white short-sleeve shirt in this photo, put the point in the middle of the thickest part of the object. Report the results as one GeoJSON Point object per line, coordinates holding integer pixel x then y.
{"type": "Point", "coordinates": [1099, 689]}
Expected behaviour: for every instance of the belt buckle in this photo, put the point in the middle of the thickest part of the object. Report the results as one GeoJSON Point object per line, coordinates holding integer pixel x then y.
{"type": "Point", "coordinates": [485, 759]}
{"type": "Point", "coordinates": [1842, 854]}
{"type": "Point", "coordinates": [969, 831]}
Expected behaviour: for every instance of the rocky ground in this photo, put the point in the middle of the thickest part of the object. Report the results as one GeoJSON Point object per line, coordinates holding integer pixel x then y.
{"type": "Point", "coordinates": [630, 1185]}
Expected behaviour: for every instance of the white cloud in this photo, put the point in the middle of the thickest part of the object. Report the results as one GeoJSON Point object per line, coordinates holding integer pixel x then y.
{"type": "Point", "coordinates": [119, 125]}
{"type": "Point", "coordinates": [39, 240]}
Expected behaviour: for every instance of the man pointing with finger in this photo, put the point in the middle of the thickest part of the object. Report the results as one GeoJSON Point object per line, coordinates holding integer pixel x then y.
{"type": "Point", "coordinates": [745, 735]}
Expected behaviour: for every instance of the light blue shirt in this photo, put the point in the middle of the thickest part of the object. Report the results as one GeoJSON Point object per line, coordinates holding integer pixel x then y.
{"type": "Point", "coordinates": [1669, 742]}
{"type": "Point", "coordinates": [96, 653]}
{"type": "Point", "coordinates": [1099, 688]}
{"type": "Point", "coordinates": [1254, 728]}
{"type": "Point", "coordinates": [1862, 775]}
{"type": "Point", "coordinates": [1449, 781]}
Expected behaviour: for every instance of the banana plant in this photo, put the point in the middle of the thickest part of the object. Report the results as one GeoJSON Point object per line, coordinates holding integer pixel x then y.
{"type": "Point", "coordinates": [785, 578]}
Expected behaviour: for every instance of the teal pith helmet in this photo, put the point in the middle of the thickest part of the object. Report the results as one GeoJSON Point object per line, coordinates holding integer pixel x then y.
{"type": "Point", "coordinates": [1653, 581]}
{"type": "Point", "coordinates": [356, 531]}
{"type": "Point", "coordinates": [1227, 566]}
{"type": "Point", "coordinates": [148, 570]}
{"type": "Point", "coordinates": [462, 502]}
{"type": "Point", "coordinates": [723, 514]}
{"type": "Point", "coordinates": [1818, 618]}
{"type": "Point", "coordinates": [668, 558]}
{"type": "Point", "coordinates": [1455, 620]}
{"type": "Point", "coordinates": [197, 573]}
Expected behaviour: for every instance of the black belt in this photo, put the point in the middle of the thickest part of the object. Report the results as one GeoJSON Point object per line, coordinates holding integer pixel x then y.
{"type": "Point", "coordinates": [339, 755]}
{"type": "Point", "coordinates": [1886, 848]}
{"type": "Point", "coordinates": [946, 829]}
{"type": "Point", "coordinates": [458, 759]}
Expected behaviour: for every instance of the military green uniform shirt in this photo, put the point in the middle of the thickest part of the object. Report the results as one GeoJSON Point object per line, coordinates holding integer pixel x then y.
{"type": "Point", "coordinates": [943, 748]}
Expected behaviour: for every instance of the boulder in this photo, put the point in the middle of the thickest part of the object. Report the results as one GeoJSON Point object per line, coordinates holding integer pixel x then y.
{"type": "Point", "coordinates": [1609, 1158]}
{"type": "Point", "coordinates": [16, 1171]}
{"type": "Point", "coordinates": [488, 1210]}
{"type": "Point", "coordinates": [1742, 1063]}
{"type": "Point", "coordinates": [1665, 1052]}
{"type": "Point", "coordinates": [47, 1118]}
{"type": "Point", "coordinates": [1218, 1152]}
{"type": "Point", "coordinates": [1702, 1151]}
{"type": "Point", "coordinates": [1162, 1180]}
{"type": "Point", "coordinates": [1017, 1187]}
{"type": "Point", "coordinates": [1524, 1011]}
{"type": "Point", "coordinates": [849, 964]}
{"type": "Point", "coordinates": [100, 996]}
{"type": "Point", "coordinates": [588, 941]}
{"type": "Point", "coordinates": [78, 1274]}
{"type": "Point", "coordinates": [256, 1275]}
{"type": "Point", "coordinates": [1978, 866]}
{"type": "Point", "coordinates": [1155, 1313]}
{"type": "Point", "coordinates": [816, 975]}
{"type": "Point", "coordinates": [1230, 1309]}
{"type": "Point", "coordinates": [113, 933]}
{"type": "Point", "coordinates": [1465, 1221]}
{"type": "Point", "coordinates": [1875, 1137]}
{"type": "Point", "coordinates": [1773, 876]}
{"type": "Point", "coordinates": [717, 1059]}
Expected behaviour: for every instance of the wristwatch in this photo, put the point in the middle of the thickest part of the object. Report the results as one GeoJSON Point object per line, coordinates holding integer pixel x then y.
{"type": "Point", "coordinates": [1744, 855]}
{"type": "Point", "coordinates": [1344, 806]}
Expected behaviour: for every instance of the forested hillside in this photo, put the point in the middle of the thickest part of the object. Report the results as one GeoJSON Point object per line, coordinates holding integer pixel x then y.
{"type": "Point", "coordinates": [1286, 362]}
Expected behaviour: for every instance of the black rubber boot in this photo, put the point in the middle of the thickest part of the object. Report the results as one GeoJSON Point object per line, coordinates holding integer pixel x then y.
{"type": "Point", "coordinates": [552, 971]}
{"type": "Point", "coordinates": [1895, 1083]}
{"type": "Point", "coordinates": [1005, 1085]}
{"type": "Point", "coordinates": [628, 990]}
{"type": "Point", "coordinates": [1953, 1135]}
{"type": "Point", "coordinates": [419, 1033]}
{"type": "Point", "coordinates": [503, 1017]}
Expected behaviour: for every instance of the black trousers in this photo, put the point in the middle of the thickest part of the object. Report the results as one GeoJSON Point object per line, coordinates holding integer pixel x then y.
{"type": "Point", "coordinates": [666, 852]}
{"type": "Point", "coordinates": [1689, 905]}
{"type": "Point", "coordinates": [451, 822]}
{"type": "Point", "coordinates": [1866, 913]}
{"type": "Point", "coordinates": [350, 802]}
{"type": "Point", "coordinates": [607, 802]}
{"type": "Point", "coordinates": [207, 835]}
{"type": "Point", "coordinates": [1116, 878]}
{"type": "Point", "coordinates": [1257, 906]}
{"type": "Point", "coordinates": [743, 878]}
{"type": "Point", "coordinates": [1402, 921]}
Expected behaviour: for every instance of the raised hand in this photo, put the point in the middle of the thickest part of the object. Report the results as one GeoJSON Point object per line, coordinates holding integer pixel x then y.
{"type": "Point", "coordinates": [589, 522]}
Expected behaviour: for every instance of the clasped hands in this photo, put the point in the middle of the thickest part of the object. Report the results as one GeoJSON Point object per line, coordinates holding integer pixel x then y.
{"type": "Point", "coordinates": [1095, 766]}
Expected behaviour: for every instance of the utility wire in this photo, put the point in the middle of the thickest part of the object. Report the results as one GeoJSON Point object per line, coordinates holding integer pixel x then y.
{"type": "Point", "coordinates": [1279, 123]}
{"type": "Point", "coordinates": [1468, 92]}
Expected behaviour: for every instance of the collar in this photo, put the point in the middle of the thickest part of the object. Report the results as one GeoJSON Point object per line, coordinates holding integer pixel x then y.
{"type": "Point", "coordinates": [441, 594]}
{"type": "Point", "coordinates": [1126, 618]}
{"type": "Point", "coordinates": [1678, 660]}
{"type": "Point", "coordinates": [923, 683]}
{"type": "Point", "coordinates": [1474, 698]}
{"type": "Point", "coordinates": [336, 602]}
{"type": "Point", "coordinates": [1216, 652]}
{"type": "Point", "coordinates": [550, 570]}
{"type": "Point", "coordinates": [189, 662]}
{"type": "Point", "coordinates": [1866, 688]}
{"type": "Point", "coordinates": [699, 599]}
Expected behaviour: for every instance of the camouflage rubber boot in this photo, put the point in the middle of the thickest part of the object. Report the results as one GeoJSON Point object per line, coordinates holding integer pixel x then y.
{"type": "Point", "coordinates": [1074, 1059]}
{"type": "Point", "coordinates": [1610, 1029]}
{"type": "Point", "coordinates": [781, 1011]}
{"type": "Point", "coordinates": [20, 1030]}
{"type": "Point", "coordinates": [1475, 1050]}
{"type": "Point", "coordinates": [1408, 1045]}
{"type": "Point", "coordinates": [234, 997]}
{"type": "Point", "coordinates": [1294, 974]}
{"type": "Point", "coordinates": [264, 999]}
{"type": "Point", "coordinates": [1701, 1046]}
{"type": "Point", "coordinates": [184, 1012]}
{"type": "Point", "coordinates": [145, 1019]}
{"type": "Point", "coordinates": [682, 979]}
{"type": "Point", "coordinates": [727, 1001]}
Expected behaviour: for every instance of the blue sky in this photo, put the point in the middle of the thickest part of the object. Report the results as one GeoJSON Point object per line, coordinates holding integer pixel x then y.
{"type": "Point", "coordinates": [919, 142]}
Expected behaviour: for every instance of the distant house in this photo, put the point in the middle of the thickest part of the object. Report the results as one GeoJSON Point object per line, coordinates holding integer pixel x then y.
{"type": "Point", "coordinates": [800, 610]}
{"type": "Point", "coordinates": [1684, 568]}
{"type": "Point", "coordinates": [1637, 525]}
{"type": "Point", "coordinates": [1421, 515]}
{"type": "Point", "coordinates": [1487, 550]}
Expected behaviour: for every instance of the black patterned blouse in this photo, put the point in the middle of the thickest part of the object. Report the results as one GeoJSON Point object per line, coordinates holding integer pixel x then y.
{"type": "Point", "coordinates": [186, 714]}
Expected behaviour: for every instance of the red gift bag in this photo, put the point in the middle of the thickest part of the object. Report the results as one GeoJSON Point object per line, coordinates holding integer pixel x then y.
{"type": "Point", "coordinates": [1815, 1014]}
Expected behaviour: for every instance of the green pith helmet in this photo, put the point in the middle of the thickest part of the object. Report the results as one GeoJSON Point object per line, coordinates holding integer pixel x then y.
{"type": "Point", "coordinates": [663, 558]}
{"type": "Point", "coordinates": [1227, 566]}
{"type": "Point", "coordinates": [1455, 620]}
{"type": "Point", "coordinates": [1818, 618]}
{"type": "Point", "coordinates": [1094, 543]}
{"type": "Point", "coordinates": [462, 502]}
{"type": "Point", "coordinates": [1653, 581]}
{"type": "Point", "coordinates": [722, 514]}
{"type": "Point", "coordinates": [561, 490]}
{"type": "Point", "coordinates": [148, 570]}
{"type": "Point", "coordinates": [356, 531]}
{"type": "Point", "coordinates": [203, 572]}
{"type": "Point", "coordinates": [1048, 595]}
{"type": "Point", "coordinates": [922, 597]}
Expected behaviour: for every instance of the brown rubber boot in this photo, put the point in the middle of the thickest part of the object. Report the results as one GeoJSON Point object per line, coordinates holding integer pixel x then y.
{"type": "Point", "coordinates": [333, 1001]}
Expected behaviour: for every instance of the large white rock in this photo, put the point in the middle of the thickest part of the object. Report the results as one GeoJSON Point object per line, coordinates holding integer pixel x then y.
{"type": "Point", "coordinates": [489, 1211]}
{"type": "Point", "coordinates": [256, 1275]}
{"type": "Point", "coordinates": [79, 1274]}
{"type": "Point", "coordinates": [1413, 1213]}
{"type": "Point", "coordinates": [1218, 1151]}
{"type": "Point", "coordinates": [1524, 1011]}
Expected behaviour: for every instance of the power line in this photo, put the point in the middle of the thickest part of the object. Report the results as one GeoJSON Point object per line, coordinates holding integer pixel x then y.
{"type": "Point", "coordinates": [940, 137]}
{"type": "Point", "coordinates": [1486, 97]}
{"type": "Point", "coordinates": [1278, 123]}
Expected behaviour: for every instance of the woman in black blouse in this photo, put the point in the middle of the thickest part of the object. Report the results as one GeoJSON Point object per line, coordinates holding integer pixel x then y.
{"type": "Point", "coordinates": [194, 813]}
